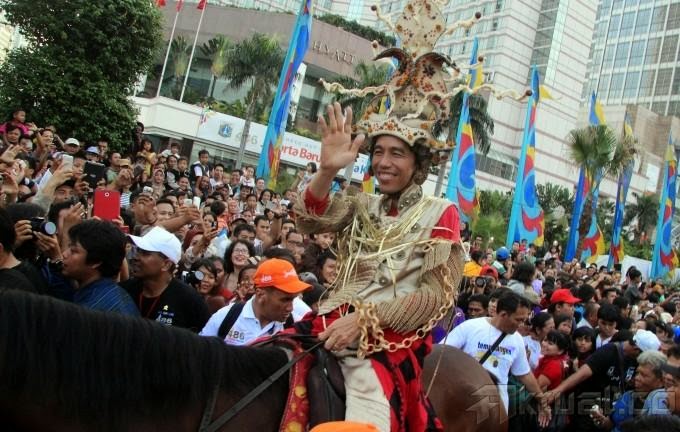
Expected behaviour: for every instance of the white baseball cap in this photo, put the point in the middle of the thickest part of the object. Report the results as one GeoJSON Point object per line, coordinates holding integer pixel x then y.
{"type": "Point", "coordinates": [646, 340]}
{"type": "Point", "coordinates": [93, 150]}
{"type": "Point", "coordinates": [72, 141]}
{"type": "Point", "coordinates": [160, 240]}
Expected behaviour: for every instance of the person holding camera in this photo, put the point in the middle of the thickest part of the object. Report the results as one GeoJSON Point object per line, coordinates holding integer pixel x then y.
{"type": "Point", "coordinates": [10, 267]}
{"type": "Point", "coordinates": [158, 295]}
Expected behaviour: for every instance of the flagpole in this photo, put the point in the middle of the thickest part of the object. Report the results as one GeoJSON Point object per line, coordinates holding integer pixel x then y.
{"type": "Point", "coordinates": [167, 54]}
{"type": "Point", "coordinates": [193, 49]}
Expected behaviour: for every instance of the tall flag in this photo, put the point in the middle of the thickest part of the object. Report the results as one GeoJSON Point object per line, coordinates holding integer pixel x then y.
{"type": "Point", "coordinates": [178, 6]}
{"type": "Point", "coordinates": [593, 243]}
{"type": "Point", "coordinates": [594, 240]}
{"type": "Point", "coordinates": [160, 3]}
{"type": "Point", "coordinates": [526, 218]}
{"type": "Point", "coordinates": [268, 165]}
{"type": "Point", "coordinates": [476, 76]}
{"type": "Point", "coordinates": [201, 4]}
{"type": "Point", "coordinates": [663, 259]}
{"type": "Point", "coordinates": [616, 246]}
{"type": "Point", "coordinates": [461, 185]}
{"type": "Point", "coordinates": [368, 182]}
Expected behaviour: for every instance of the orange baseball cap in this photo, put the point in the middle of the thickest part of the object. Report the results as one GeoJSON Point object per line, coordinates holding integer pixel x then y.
{"type": "Point", "coordinates": [280, 274]}
{"type": "Point", "coordinates": [344, 426]}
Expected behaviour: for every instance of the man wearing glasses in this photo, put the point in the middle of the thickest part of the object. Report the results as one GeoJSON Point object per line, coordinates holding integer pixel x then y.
{"type": "Point", "coordinates": [157, 294]}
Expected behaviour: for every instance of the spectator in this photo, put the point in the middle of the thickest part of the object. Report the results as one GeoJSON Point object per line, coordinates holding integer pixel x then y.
{"type": "Point", "coordinates": [541, 324]}
{"type": "Point", "coordinates": [276, 286]}
{"type": "Point", "coordinates": [590, 317]}
{"type": "Point", "coordinates": [207, 285]}
{"type": "Point", "coordinates": [632, 293]}
{"type": "Point", "coordinates": [562, 302]}
{"type": "Point", "coordinates": [200, 168]}
{"type": "Point", "coordinates": [474, 266]}
{"type": "Point", "coordinates": [159, 296]}
{"type": "Point", "coordinates": [607, 321]}
{"type": "Point", "coordinates": [583, 345]}
{"type": "Point", "coordinates": [551, 367]}
{"type": "Point", "coordinates": [477, 306]}
{"type": "Point", "coordinates": [94, 258]}
{"type": "Point", "coordinates": [10, 266]}
{"type": "Point", "coordinates": [235, 259]}
{"type": "Point", "coordinates": [563, 324]}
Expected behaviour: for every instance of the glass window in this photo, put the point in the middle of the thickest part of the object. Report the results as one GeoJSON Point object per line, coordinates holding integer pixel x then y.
{"type": "Point", "coordinates": [663, 81]}
{"type": "Point", "coordinates": [669, 48]}
{"type": "Point", "coordinates": [603, 86]}
{"type": "Point", "coordinates": [617, 4]}
{"type": "Point", "coordinates": [630, 89]}
{"type": "Point", "coordinates": [597, 56]}
{"type": "Point", "coordinates": [653, 49]}
{"type": "Point", "coordinates": [622, 55]}
{"type": "Point", "coordinates": [637, 51]}
{"type": "Point", "coordinates": [627, 24]}
{"type": "Point", "coordinates": [673, 21]}
{"type": "Point", "coordinates": [658, 18]}
{"type": "Point", "coordinates": [608, 57]}
{"type": "Point", "coordinates": [606, 5]}
{"type": "Point", "coordinates": [616, 86]}
{"type": "Point", "coordinates": [614, 26]}
{"type": "Point", "coordinates": [674, 108]}
{"type": "Point", "coordinates": [642, 23]}
{"type": "Point", "coordinates": [659, 107]}
{"type": "Point", "coordinates": [675, 88]}
{"type": "Point", "coordinates": [647, 83]}
{"type": "Point", "coordinates": [499, 5]}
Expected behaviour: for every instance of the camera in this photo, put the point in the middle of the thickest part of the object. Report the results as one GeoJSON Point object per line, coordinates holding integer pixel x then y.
{"type": "Point", "coordinates": [192, 277]}
{"type": "Point", "coordinates": [481, 281]}
{"type": "Point", "coordinates": [39, 224]}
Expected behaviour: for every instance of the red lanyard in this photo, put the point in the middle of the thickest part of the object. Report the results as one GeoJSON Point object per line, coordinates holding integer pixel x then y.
{"type": "Point", "coordinates": [153, 305]}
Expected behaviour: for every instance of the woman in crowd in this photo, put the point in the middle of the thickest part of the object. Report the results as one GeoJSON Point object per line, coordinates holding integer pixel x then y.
{"type": "Point", "coordinates": [583, 345]}
{"type": "Point", "coordinates": [541, 324]}
{"type": "Point", "coordinates": [207, 285]}
{"type": "Point", "coordinates": [235, 259]}
{"type": "Point", "coordinates": [326, 268]}
{"type": "Point", "coordinates": [264, 200]}
{"type": "Point", "coordinates": [564, 323]}
{"type": "Point", "coordinates": [246, 284]}
{"type": "Point", "coordinates": [17, 120]}
{"type": "Point", "coordinates": [158, 183]}
{"type": "Point", "coordinates": [149, 156]}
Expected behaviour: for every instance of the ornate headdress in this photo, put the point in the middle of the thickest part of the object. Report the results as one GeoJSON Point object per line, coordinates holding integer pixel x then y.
{"type": "Point", "coordinates": [419, 90]}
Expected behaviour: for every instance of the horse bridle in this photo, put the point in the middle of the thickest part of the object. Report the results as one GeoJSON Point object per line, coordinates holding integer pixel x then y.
{"type": "Point", "coordinates": [206, 426]}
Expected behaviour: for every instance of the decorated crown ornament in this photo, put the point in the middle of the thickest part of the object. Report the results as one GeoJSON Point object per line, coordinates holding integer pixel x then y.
{"type": "Point", "coordinates": [422, 87]}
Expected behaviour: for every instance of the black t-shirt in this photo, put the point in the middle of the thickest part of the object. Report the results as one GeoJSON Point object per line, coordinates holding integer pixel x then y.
{"type": "Point", "coordinates": [606, 368]}
{"type": "Point", "coordinates": [33, 275]}
{"type": "Point", "coordinates": [178, 305]}
{"type": "Point", "coordinates": [13, 279]}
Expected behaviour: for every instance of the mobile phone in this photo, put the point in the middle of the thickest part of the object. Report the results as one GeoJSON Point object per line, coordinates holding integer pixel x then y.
{"type": "Point", "coordinates": [197, 202]}
{"type": "Point", "coordinates": [187, 202]}
{"type": "Point", "coordinates": [106, 204]}
{"type": "Point", "coordinates": [67, 160]}
{"type": "Point", "coordinates": [94, 172]}
{"type": "Point", "coordinates": [147, 189]}
{"type": "Point", "coordinates": [270, 205]}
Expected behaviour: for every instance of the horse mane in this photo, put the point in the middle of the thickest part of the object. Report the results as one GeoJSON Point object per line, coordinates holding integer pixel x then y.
{"type": "Point", "coordinates": [110, 370]}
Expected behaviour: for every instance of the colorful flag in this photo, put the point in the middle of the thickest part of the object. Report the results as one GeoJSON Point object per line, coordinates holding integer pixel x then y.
{"type": "Point", "coordinates": [593, 243]}
{"type": "Point", "coordinates": [201, 4]}
{"type": "Point", "coordinates": [663, 259]}
{"type": "Point", "coordinates": [461, 187]}
{"type": "Point", "coordinates": [526, 217]}
{"type": "Point", "coordinates": [545, 93]}
{"type": "Point", "coordinates": [476, 76]}
{"type": "Point", "coordinates": [268, 165]}
{"type": "Point", "coordinates": [582, 190]}
{"type": "Point", "coordinates": [616, 252]}
{"type": "Point", "coordinates": [178, 6]}
{"type": "Point", "coordinates": [206, 113]}
{"type": "Point", "coordinates": [368, 182]}
{"type": "Point", "coordinates": [160, 3]}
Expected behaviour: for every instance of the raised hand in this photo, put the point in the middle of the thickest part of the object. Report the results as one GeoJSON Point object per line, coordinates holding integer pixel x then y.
{"type": "Point", "coordinates": [337, 148]}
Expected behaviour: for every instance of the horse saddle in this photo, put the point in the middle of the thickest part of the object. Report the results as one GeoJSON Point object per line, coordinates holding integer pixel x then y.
{"type": "Point", "coordinates": [325, 389]}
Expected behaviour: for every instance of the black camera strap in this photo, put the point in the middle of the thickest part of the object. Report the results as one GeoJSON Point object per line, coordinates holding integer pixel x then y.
{"type": "Point", "coordinates": [492, 348]}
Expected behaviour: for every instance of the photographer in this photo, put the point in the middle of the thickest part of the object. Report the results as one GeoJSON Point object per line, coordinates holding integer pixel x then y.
{"type": "Point", "coordinates": [10, 267]}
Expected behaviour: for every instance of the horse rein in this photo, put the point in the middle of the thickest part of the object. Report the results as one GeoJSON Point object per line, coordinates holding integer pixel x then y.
{"type": "Point", "coordinates": [254, 393]}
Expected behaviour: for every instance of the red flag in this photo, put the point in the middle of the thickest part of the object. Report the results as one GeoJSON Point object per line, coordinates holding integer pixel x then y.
{"type": "Point", "coordinates": [160, 3]}
{"type": "Point", "coordinates": [201, 4]}
{"type": "Point", "coordinates": [179, 4]}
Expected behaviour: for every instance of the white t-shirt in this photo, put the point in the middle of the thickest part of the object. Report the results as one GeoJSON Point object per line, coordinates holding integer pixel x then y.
{"type": "Point", "coordinates": [533, 348]}
{"type": "Point", "coordinates": [599, 341]}
{"type": "Point", "coordinates": [247, 327]}
{"type": "Point", "coordinates": [476, 336]}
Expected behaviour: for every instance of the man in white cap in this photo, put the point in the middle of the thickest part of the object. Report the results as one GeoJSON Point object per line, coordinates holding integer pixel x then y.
{"type": "Point", "coordinates": [608, 372]}
{"type": "Point", "coordinates": [158, 295]}
{"type": "Point", "coordinates": [71, 146]}
{"type": "Point", "coordinates": [92, 154]}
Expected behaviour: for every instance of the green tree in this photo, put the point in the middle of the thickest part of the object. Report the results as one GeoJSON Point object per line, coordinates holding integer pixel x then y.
{"type": "Point", "coordinates": [598, 150]}
{"type": "Point", "coordinates": [82, 61]}
{"type": "Point", "coordinates": [557, 202]}
{"type": "Point", "coordinates": [490, 226]}
{"type": "Point", "coordinates": [642, 216]}
{"type": "Point", "coordinates": [495, 202]}
{"type": "Point", "coordinates": [180, 51]}
{"type": "Point", "coordinates": [368, 75]}
{"type": "Point", "coordinates": [481, 122]}
{"type": "Point", "coordinates": [217, 50]}
{"type": "Point", "coordinates": [256, 61]}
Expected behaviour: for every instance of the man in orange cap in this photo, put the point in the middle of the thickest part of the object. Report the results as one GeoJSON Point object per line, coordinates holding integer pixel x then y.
{"type": "Point", "coordinates": [276, 286]}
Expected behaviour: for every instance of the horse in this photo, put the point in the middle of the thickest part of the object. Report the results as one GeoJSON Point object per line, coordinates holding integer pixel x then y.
{"type": "Point", "coordinates": [67, 368]}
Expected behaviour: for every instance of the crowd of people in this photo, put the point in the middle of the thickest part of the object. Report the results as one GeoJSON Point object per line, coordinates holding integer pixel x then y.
{"type": "Point", "coordinates": [197, 246]}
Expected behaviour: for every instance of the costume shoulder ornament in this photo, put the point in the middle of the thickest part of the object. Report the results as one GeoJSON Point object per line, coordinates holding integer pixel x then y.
{"type": "Point", "coordinates": [421, 89]}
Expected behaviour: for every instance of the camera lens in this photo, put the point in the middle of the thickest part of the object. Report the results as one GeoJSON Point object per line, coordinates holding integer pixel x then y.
{"type": "Point", "coordinates": [40, 225]}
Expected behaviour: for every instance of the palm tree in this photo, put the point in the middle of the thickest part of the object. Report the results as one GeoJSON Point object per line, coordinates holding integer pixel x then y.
{"type": "Point", "coordinates": [481, 122]}
{"type": "Point", "coordinates": [256, 61]}
{"type": "Point", "coordinates": [644, 213]}
{"type": "Point", "coordinates": [217, 50]}
{"type": "Point", "coordinates": [598, 151]}
{"type": "Point", "coordinates": [605, 216]}
{"type": "Point", "coordinates": [180, 51]}
{"type": "Point", "coordinates": [368, 75]}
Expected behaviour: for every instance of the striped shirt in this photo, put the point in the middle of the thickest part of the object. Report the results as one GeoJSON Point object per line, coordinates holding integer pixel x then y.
{"type": "Point", "coordinates": [105, 295]}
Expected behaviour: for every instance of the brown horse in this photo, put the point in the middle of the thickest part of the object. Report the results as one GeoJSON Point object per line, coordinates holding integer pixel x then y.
{"type": "Point", "coordinates": [65, 368]}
